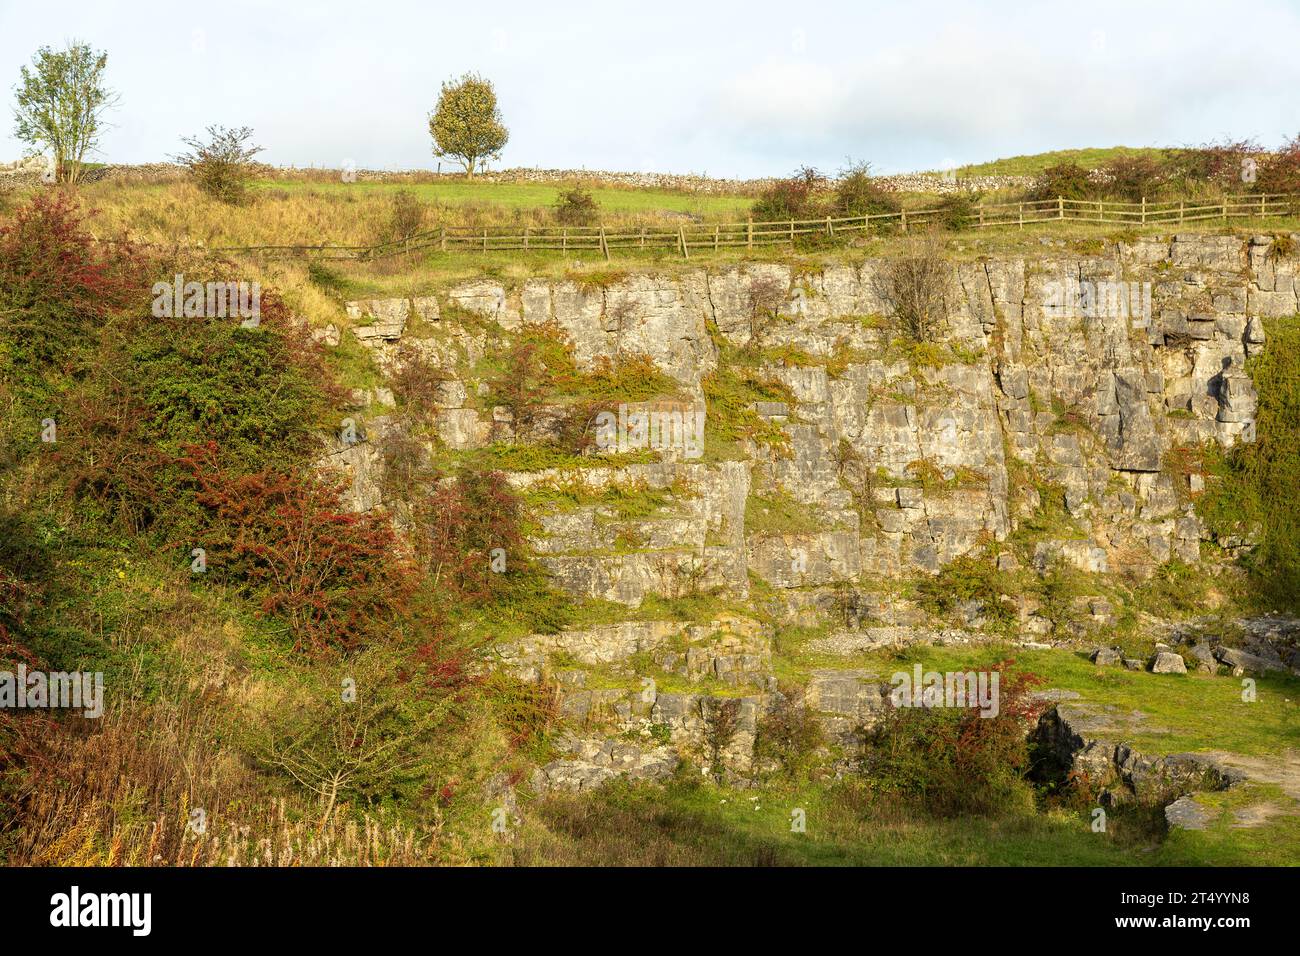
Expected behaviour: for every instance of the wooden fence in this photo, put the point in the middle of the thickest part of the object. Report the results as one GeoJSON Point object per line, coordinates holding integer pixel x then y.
{"type": "Point", "coordinates": [704, 237]}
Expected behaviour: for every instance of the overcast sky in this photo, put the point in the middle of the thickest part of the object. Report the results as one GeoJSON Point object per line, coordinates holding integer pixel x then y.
{"type": "Point", "coordinates": [728, 89]}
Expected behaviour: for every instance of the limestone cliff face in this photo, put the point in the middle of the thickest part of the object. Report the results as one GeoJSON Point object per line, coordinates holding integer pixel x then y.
{"type": "Point", "coordinates": [1033, 395]}
{"type": "Point", "coordinates": [1094, 401]}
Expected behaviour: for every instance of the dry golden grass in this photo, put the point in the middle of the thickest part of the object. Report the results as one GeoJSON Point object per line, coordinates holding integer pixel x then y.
{"type": "Point", "coordinates": [179, 213]}
{"type": "Point", "coordinates": [165, 784]}
{"type": "Point", "coordinates": [297, 213]}
{"type": "Point", "coordinates": [122, 790]}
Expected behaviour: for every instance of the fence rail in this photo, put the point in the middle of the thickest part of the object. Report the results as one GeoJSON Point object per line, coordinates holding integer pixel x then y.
{"type": "Point", "coordinates": [704, 237]}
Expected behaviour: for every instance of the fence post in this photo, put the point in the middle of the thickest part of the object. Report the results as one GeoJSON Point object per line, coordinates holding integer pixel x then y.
{"type": "Point", "coordinates": [792, 232]}
{"type": "Point", "coordinates": [485, 240]}
{"type": "Point", "coordinates": [981, 215]}
{"type": "Point", "coordinates": [904, 220]}
{"type": "Point", "coordinates": [830, 228]}
{"type": "Point", "coordinates": [715, 238]}
{"type": "Point", "coordinates": [1144, 210]}
{"type": "Point", "coordinates": [604, 246]}
{"type": "Point", "coordinates": [564, 240]}
{"type": "Point", "coordinates": [1022, 215]}
{"type": "Point", "coordinates": [1180, 212]}
{"type": "Point", "coordinates": [443, 238]}
{"type": "Point", "coordinates": [749, 233]}
{"type": "Point", "coordinates": [681, 236]}
{"type": "Point", "coordinates": [643, 237]}
{"type": "Point", "coordinates": [525, 238]}
{"type": "Point", "coordinates": [1060, 207]}
{"type": "Point", "coordinates": [1225, 208]}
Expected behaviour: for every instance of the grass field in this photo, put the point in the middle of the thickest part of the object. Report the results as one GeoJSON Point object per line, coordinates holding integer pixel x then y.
{"type": "Point", "coordinates": [432, 269]}
{"type": "Point", "coordinates": [287, 212]}
{"type": "Point", "coordinates": [688, 823]}
{"type": "Point", "coordinates": [530, 197]}
{"type": "Point", "coordinates": [1032, 165]}
{"type": "Point", "coordinates": [1184, 712]}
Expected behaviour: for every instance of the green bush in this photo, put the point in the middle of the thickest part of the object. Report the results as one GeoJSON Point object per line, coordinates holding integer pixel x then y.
{"type": "Point", "coordinates": [1131, 178]}
{"type": "Point", "coordinates": [159, 385]}
{"type": "Point", "coordinates": [57, 289]}
{"type": "Point", "coordinates": [1066, 180]}
{"type": "Point", "coordinates": [222, 166]}
{"type": "Point", "coordinates": [793, 198]}
{"type": "Point", "coordinates": [1253, 487]}
{"type": "Point", "coordinates": [576, 206]}
{"type": "Point", "coordinates": [1218, 164]}
{"type": "Point", "coordinates": [856, 194]}
{"type": "Point", "coordinates": [407, 216]}
{"type": "Point", "coordinates": [1279, 171]}
{"type": "Point", "coordinates": [956, 211]}
{"type": "Point", "coordinates": [964, 580]}
{"type": "Point", "coordinates": [788, 735]}
{"type": "Point", "coordinates": [951, 762]}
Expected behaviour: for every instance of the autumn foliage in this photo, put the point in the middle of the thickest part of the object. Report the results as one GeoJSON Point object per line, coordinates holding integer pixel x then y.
{"type": "Point", "coordinates": [468, 518]}
{"type": "Point", "coordinates": [952, 761]}
{"type": "Point", "coordinates": [335, 577]}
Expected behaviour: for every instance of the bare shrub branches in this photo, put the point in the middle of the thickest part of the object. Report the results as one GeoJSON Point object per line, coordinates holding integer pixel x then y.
{"type": "Point", "coordinates": [916, 286]}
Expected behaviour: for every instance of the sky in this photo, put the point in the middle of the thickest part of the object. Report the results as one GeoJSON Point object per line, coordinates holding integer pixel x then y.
{"type": "Point", "coordinates": [723, 89]}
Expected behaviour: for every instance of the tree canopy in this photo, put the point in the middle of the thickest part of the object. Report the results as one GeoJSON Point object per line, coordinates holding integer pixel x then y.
{"type": "Point", "coordinates": [466, 125]}
{"type": "Point", "coordinates": [60, 103]}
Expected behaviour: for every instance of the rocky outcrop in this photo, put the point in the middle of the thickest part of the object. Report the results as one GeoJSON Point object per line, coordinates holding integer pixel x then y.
{"type": "Point", "coordinates": [1252, 646]}
{"type": "Point", "coordinates": [1088, 740]}
{"type": "Point", "coordinates": [1042, 403]}
{"type": "Point", "coordinates": [1093, 400]}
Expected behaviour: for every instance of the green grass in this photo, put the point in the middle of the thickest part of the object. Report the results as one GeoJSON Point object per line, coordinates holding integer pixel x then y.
{"type": "Point", "coordinates": [1035, 163]}
{"type": "Point", "coordinates": [536, 196]}
{"type": "Point", "coordinates": [628, 677]}
{"type": "Point", "coordinates": [433, 271]}
{"type": "Point", "coordinates": [1184, 713]}
{"type": "Point", "coordinates": [1274, 843]}
{"type": "Point", "coordinates": [688, 823]}
{"type": "Point", "coordinates": [625, 501]}
{"type": "Point", "coordinates": [778, 513]}
{"type": "Point", "coordinates": [1253, 485]}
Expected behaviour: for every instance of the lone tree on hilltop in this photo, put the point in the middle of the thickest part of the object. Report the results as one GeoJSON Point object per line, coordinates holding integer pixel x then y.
{"type": "Point", "coordinates": [60, 103]}
{"type": "Point", "coordinates": [467, 124]}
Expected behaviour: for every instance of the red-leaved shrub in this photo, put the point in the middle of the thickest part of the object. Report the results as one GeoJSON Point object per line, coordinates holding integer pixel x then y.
{"type": "Point", "coordinates": [335, 577]}
{"type": "Point", "coordinates": [468, 517]}
{"type": "Point", "coordinates": [1279, 172]}
{"type": "Point", "coordinates": [55, 283]}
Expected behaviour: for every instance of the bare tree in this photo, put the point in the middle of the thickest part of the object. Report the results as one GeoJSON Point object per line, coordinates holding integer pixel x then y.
{"type": "Point", "coordinates": [916, 286]}
{"type": "Point", "coordinates": [767, 295]}
{"type": "Point", "coordinates": [721, 721]}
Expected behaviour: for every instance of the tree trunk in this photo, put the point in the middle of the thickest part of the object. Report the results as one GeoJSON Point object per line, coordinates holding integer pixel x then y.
{"type": "Point", "coordinates": [329, 806]}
